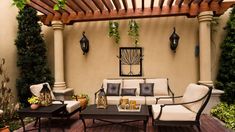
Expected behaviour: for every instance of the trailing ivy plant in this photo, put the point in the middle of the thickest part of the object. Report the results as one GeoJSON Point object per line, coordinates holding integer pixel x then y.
{"type": "Point", "coordinates": [226, 75]}
{"type": "Point", "coordinates": [133, 31]}
{"type": "Point", "coordinates": [113, 31]}
{"type": "Point", "coordinates": [31, 51]}
{"type": "Point", "coordinates": [20, 4]}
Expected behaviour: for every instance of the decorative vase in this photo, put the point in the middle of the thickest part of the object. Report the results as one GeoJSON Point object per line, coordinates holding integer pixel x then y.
{"type": "Point", "coordinates": [5, 129]}
{"type": "Point", "coordinates": [34, 106]}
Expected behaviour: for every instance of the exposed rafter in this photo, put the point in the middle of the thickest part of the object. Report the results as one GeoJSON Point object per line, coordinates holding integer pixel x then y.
{"type": "Point", "coordinates": [96, 10]}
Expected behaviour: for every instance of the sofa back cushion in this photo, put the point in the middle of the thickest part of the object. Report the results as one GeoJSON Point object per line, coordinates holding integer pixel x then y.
{"type": "Point", "coordinates": [106, 81]}
{"type": "Point", "coordinates": [194, 92]}
{"type": "Point", "coordinates": [146, 89]}
{"type": "Point", "coordinates": [113, 89]}
{"type": "Point", "coordinates": [133, 83]}
{"type": "Point", "coordinates": [160, 86]}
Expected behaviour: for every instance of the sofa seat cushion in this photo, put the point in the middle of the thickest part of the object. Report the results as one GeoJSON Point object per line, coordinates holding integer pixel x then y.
{"type": "Point", "coordinates": [138, 99]}
{"type": "Point", "coordinates": [152, 100]}
{"type": "Point", "coordinates": [173, 113]}
{"type": "Point", "coordinates": [71, 105]}
{"type": "Point", "coordinates": [113, 100]}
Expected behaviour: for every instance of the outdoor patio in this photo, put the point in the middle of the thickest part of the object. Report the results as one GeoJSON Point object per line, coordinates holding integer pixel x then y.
{"type": "Point", "coordinates": [208, 124]}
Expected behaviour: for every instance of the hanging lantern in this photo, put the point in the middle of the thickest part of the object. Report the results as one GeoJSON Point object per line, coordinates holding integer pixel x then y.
{"type": "Point", "coordinates": [102, 99]}
{"type": "Point", "coordinates": [84, 42]}
{"type": "Point", "coordinates": [174, 39]}
{"type": "Point", "coordinates": [45, 96]}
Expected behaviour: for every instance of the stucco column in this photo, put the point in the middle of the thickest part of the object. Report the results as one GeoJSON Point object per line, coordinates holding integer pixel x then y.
{"type": "Point", "coordinates": [205, 19]}
{"type": "Point", "coordinates": [58, 55]}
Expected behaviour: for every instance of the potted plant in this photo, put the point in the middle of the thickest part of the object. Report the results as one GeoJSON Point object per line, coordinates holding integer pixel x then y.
{"type": "Point", "coordinates": [83, 99]}
{"type": "Point", "coordinates": [133, 31]}
{"type": "Point", "coordinates": [34, 101]}
{"type": "Point", "coordinates": [113, 31]}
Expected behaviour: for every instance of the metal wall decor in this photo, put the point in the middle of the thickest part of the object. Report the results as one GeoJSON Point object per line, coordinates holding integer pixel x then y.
{"type": "Point", "coordinates": [130, 61]}
{"type": "Point", "coordinates": [84, 42]}
{"type": "Point", "coordinates": [174, 39]}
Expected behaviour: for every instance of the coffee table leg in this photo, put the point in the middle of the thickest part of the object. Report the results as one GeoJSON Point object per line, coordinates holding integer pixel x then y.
{"type": "Point", "coordinates": [49, 125]}
{"type": "Point", "coordinates": [39, 124]}
{"type": "Point", "coordinates": [84, 124]}
{"type": "Point", "coordinates": [22, 122]}
{"type": "Point", "coordinates": [145, 125]}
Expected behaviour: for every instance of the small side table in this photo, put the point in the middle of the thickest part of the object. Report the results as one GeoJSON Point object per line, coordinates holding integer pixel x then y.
{"type": "Point", "coordinates": [48, 112]}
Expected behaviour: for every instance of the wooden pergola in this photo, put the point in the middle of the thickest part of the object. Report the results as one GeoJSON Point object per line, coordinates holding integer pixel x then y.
{"type": "Point", "coordinates": [96, 10]}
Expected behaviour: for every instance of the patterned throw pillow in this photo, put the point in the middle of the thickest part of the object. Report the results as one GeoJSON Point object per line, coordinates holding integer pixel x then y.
{"type": "Point", "coordinates": [146, 89]}
{"type": "Point", "coordinates": [128, 92]}
{"type": "Point", "coordinates": [113, 89]}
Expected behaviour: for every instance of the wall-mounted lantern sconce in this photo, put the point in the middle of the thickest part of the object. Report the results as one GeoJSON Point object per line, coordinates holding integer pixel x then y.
{"type": "Point", "coordinates": [84, 42]}
{"type": "Point", "coordinates": [174, 39]}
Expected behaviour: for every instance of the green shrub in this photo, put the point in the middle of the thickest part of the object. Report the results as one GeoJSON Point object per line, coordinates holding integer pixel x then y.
{"type": "Point", "coordinates": [226, 113]}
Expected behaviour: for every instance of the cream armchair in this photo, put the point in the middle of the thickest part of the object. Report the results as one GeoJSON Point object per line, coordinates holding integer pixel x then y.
{"type": "Point", "coordinates": [187, 112]}
{"type": "Point", "coordinates": [71, 107]}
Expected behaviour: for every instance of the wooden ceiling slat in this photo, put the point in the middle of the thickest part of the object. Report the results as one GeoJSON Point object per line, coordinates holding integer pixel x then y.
{"type": "Point", "coordinates": [160, 3]}
{"type": "Point", "coordinates": [74, 6]}
{"type": "Point", "coordinates": [125, 4]}
{"type": "Point", "coordinates": [170, 2]}
{"type": "Point", "coordinates": [197, 1]}
{"type": "Point", "coordinates": [99, 5]}
{"type": "Point", "coordinates": [142, 5]}
{"type": "Point", "coordinates": [108, 5]}
{"type": "Point", "coordinates": [220, 1]}
{"type": "Point", "coordinates": [117, 4]}
{"type": "Point", "coordinates": [90, 5]}
{"type": "Point", "coordinates": [45, 6]}
{"type": "Point", "coordinates": [133, 4]}
{"type": "Point", "coordinates": [51, 4]}
{"type": "Point", "coordinates": [179, 2]}
{"type": "Point", "coordinates": [188, 2]}
{"type": "Point", "coordinates": [151, 4]}
{"type": "Point", "coordinates": [83, 6]}
{"type": "Point", "coordinates": [39, 8]}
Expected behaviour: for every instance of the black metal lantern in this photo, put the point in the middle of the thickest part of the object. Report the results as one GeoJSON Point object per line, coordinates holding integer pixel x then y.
{"type": "Point", "coordinates": [45, 96]}
{"type": "Point", "coordinates": [174, 39]}
{"type": "Point", "coordinates": [102, 99]}
{"type": "Point", "coordinates": [84, 42]}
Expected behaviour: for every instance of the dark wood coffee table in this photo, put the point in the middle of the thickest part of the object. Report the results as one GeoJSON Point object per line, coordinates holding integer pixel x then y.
{"type": "Point", "coordinates": [49, 111]}
{"type": "Point", "coordinates": [111, 112]}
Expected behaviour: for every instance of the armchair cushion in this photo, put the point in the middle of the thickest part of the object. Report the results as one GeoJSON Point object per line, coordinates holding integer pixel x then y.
{"type": "Point", "coordinates": [71, 105]}
{"type": "Point", "coordinates": [113, 89]}
{"type": "Point", "coordinates": [194, 92]}
{"type": "Point", "coordinates": [146, 89]}
{"type": "Point", "coordinates": [128, 92]}
{"type": "Point", "coordinates": [152, 100]}
{"type": "Point", "coordinates": [173, 113]}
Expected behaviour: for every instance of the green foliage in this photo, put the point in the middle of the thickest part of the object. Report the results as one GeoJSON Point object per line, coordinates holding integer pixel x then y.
{"type": "Point", "coordinates": [31, 51]}
{"type": "Point", "coordinates": [34, 100]}
{"type": "Point", "coordinates": [226, 113]}
{"type": "Point", "coordinates": [60, 5]}
{"type": "Point", "coordinates": [226, 75]}
{"type": "Point", "coordinates": [81, 96]}
{"type": "Point", "coordinates": [113, 31]}
{"type": "Point", "coordinates": [133, 31]}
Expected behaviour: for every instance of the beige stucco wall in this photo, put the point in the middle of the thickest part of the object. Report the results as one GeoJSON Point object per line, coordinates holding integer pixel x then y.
{"type": "Point", "coordinates": [8, 32]}
{"type": "Point", "coordinates": [85, 73]}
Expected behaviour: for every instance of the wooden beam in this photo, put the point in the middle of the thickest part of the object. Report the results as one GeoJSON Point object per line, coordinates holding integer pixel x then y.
{"type": "Point", "coordinates": [133, 4]}
{"type": "Point", "coordinates": [179, 3]}
{"type": "Point", "coordinates": [160, 3]}
{"type": "Point", "coordinates": [117, 4]}
{"type": "Point", "coordinates": [151, 4]}
{"type": "Point", "coordinates": [39, 8]}
{"type": "Point", "coordinates": [125, 4]}
{"type": "Point", "coordinates": [188, 2]}
{"type": "Point", "coordinates": [99, 5]}
{"type": "Point", "coordinates": [108, 5]}
{"type": "Point", "coordinates": [169, 2]}
{"type": "Point", "coordinates": [90, 5]}
{"type": "Point", "coordinates": [197, 1]}
{"type": "Point", "coordinates": [45, 6]}
{"type": "Point", "coordinates": [142, 5]}
{"type": "Point", "coordinates": [83, 6]}
{"type": "Point", "coordinates": [74, 6]}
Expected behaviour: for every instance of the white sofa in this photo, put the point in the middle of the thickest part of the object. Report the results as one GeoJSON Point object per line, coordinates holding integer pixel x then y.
{"type": "Point", "coordinates": [160, 89]}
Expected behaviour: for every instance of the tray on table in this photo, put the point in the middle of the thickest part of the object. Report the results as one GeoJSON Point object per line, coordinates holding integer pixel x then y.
{"type": "Point", "coordinates": [129, 110]}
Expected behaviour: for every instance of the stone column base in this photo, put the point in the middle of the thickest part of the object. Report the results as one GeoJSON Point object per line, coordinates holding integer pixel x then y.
{"type": "Point", "coordinates": [210, 83]}
{"type": "Point", "coordinates": [59, 86]}
{"type": "Point", "coordinates": [214, 100]}
{"type": "Point", "coordinates": [65, 94]}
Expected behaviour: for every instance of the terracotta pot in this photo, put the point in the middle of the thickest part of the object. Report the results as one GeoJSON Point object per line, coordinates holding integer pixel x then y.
{"type": "Point", "coordinates": [5, 129]}
{"type": "Point", "coordinates": [34, 106]}
{"type": "Point", "coordinates": [83, 102]}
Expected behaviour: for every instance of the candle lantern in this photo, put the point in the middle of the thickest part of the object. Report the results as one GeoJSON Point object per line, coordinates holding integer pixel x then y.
{"type": "Point", "coordinates": [45, 96]}
{"type": "Point", "coordinates": [102, 99]}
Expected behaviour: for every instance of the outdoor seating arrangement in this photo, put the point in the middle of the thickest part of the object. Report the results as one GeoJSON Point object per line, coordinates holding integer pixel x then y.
{"type": "Point", "coordinates": [146, 91]}
{"type": "Point", "coordinates": [71, 105]}
{"type": "Point", "coordinates": [187, 111]}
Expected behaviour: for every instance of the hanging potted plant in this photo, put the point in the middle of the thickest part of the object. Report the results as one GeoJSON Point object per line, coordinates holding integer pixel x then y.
{"type": "Point", "coordinates": [113, 31]}
{"type": "Point", "coordinates": [133, 31]}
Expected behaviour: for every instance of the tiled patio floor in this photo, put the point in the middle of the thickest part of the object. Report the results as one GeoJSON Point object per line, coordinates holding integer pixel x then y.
{"type": "Point", "coordinates": [208, 124]}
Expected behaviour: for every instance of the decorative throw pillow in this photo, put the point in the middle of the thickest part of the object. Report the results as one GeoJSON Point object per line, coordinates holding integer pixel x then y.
{"type": "Point", "coordinates": [128, 92]}
{"type": "Point", "coordinates": [113, 89]}
{"type": "Point", "coordinates": [146, 89]}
